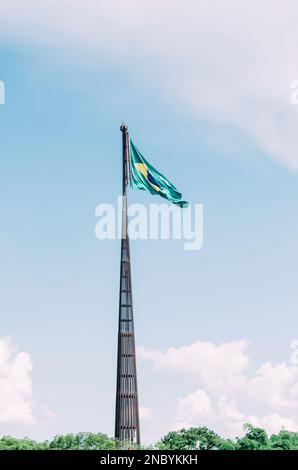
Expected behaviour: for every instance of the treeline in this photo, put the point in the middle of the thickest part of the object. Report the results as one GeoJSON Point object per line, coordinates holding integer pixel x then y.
{"type": "Point", "coordinates": [200, 438]}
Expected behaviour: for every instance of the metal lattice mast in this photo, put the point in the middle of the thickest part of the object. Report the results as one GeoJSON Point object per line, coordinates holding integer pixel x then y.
{"type": "Point", "coordinates": [127, 427]}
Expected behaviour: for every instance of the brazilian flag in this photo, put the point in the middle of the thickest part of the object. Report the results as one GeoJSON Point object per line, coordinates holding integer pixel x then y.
{"type": "Point", "coordinates": [144, 176]}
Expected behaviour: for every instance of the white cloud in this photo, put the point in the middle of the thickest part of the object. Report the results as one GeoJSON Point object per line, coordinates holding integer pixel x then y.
{"type": "Point", "coordinates": [194, 405]}
{"type": "Point", "coordinates": [16, 406]}
{"type": "Point", "coordinates": [274, 423]}
{"type": "Point", "coordinates": [275, 386]}
{"type": "Point", "coordinates": [228, 410]}
{"type": "Point", "coordinates": [228, 61]}
{"type": "Point", "coordinates": [217, 366]}
{"type": "Point", "coordinates": [229, 393]}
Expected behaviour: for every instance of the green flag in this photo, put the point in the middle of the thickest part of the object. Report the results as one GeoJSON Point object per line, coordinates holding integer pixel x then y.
{"type": "Point", "coordinates": [144, 176]}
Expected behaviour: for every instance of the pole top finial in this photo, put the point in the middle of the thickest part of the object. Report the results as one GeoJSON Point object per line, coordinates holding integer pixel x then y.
{"type": "Point", "coordinates": [123, 127]}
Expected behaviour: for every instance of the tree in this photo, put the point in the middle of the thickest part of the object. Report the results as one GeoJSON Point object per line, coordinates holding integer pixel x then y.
{"type": "Point", "coordinates": [194, 438]}
{"type": "Point", "coordinates": [11, 443]}
{"type": "Point", "coordinates": [285, 440]}
{"type": "Point", "coordinates": [254, 439]}
{"type": "Point", "coordinates": [82, 441]}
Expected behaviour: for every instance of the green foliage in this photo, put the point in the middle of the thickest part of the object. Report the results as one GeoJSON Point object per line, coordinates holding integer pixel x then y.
{"type": "Point", "coordinates": [82, 441]}
{"type": "Point", "coordinates": [11, 443]}
{"type": "Point", "coordinates": [194, 438]}
{"type": "Point", "coordinates": [285, 440]}
{"type": "Point", "coordinates": [254, 439]}
{"type": "Point", "coordinates": [203, 439]}
{"type": "Point", "coordinates": [200, 438]}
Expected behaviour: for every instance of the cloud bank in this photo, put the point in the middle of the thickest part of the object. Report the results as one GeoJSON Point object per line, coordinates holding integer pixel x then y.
{"type": "Point", "coordinates": [16, 404]}
{"type": "Point", "coordinates": [229, 392]}
{"type": "Point", "coordinates": [228, 62]}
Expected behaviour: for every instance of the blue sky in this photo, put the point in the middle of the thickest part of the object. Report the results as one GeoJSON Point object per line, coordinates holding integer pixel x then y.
{"type": "Point", "coordinates": [60, 148]}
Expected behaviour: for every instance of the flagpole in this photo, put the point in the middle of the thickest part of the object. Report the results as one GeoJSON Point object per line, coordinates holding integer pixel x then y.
{"type": "Point", "coordinates": [124, 130]}
{"type": "Point", "coordinates": [127, 427]}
